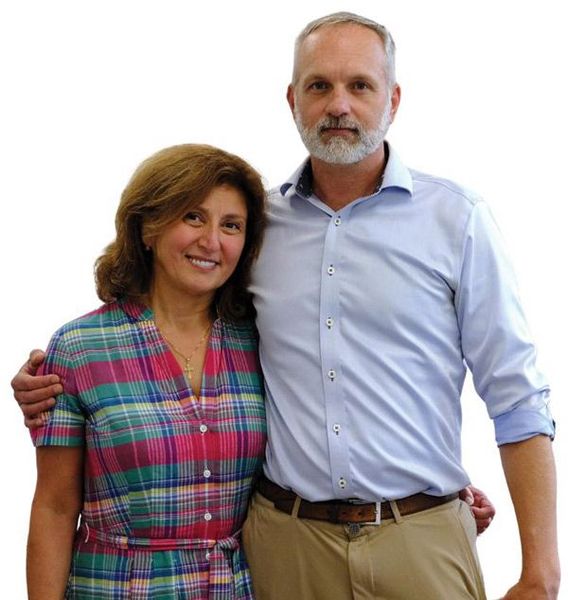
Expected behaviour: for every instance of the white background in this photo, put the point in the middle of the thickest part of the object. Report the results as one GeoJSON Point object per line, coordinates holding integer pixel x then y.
{"type": "Point", "coordinates": [89, 89]}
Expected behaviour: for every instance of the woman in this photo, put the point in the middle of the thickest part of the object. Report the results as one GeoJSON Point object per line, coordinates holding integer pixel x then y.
{"type": "Point", "coordinates": [160, 430]}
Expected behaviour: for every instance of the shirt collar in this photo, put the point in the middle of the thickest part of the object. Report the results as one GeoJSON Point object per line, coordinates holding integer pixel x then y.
{"type": "Point", "coordinates": [137, 311]}
{"type": "Point", "coordinates": [396, 175]}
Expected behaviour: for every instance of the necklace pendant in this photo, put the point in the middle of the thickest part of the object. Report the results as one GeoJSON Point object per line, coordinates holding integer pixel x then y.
{"type": "Point", "coordinates": [188, 370]}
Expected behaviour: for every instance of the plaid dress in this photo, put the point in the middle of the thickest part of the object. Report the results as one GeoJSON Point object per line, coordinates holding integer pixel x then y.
{"type": "Point", "coordinates": [167, 476]}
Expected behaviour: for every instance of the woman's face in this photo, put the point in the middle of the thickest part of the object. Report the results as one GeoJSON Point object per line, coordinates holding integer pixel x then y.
{"type": "Point", "coordinates": [198, 253]}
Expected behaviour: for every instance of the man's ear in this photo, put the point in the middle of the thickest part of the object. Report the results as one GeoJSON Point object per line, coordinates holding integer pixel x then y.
{"type": "Point", "coordinates": [395, 101]}
{"type": "Point", "coordinates": [290, 97]}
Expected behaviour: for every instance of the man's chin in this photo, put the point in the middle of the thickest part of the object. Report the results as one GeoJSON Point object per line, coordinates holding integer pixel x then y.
{"type": "Point", "coordinates": [339, 155]}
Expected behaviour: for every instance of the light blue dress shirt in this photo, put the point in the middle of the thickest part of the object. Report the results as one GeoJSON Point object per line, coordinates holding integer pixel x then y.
{"type": "Point", "coordinates": [368, 317]}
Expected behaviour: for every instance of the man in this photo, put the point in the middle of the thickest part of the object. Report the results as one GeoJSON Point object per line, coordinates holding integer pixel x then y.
{"type": "Point", "coordinates": [374, 285]}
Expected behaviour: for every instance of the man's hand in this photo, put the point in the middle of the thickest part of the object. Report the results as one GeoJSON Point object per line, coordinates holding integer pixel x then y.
{"type": "Point", "coordinates": [481, 507]}
{"type": "Point", "coordinates": [35, 394]}
{"type": "Point", "coordinates": [529, 591]}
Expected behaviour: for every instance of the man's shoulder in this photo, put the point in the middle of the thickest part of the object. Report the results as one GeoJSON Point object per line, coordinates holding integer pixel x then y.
{"type": "Point", "coordinates": [277, 192]}
{"type": "Point", "coordinates": [426, 184]}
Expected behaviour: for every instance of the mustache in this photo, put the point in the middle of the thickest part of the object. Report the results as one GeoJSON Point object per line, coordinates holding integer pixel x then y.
{"type": "Point", "coordinates": [330, 122]}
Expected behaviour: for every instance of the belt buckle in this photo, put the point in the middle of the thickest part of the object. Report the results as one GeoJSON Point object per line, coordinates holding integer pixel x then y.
{"type": "Point", "coordinates": [377, 520]}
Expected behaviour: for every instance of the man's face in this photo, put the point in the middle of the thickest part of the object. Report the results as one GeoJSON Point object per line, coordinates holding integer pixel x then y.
{"type": "Point", "coordinates": [341, 100]}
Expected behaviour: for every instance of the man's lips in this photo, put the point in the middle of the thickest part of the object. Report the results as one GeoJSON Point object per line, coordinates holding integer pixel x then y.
{"type": "Point", "coordinates": [340, 130]}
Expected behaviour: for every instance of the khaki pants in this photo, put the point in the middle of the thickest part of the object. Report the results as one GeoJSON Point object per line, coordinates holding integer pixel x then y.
{"type": "Point", "coordinates": [429, 555]}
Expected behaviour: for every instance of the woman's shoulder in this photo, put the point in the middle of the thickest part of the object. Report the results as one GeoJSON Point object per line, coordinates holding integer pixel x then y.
{"type": "Point", "coordinates": [93, 323]}
{"type": "Point", "coordinates": [242, 332]}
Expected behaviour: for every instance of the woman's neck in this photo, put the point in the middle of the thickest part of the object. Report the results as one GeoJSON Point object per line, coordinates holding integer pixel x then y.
{"type": "Point", "coordinates": [179, 313]}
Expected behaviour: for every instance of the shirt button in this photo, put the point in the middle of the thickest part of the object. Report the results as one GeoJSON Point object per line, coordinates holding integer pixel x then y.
{"type": "Point", "coordinates": [337, 221]}
{"type": "Point", "coordinates": [330, 270]}
{"type": "Point", "coordinates": [336, 428]}
{"type": "Point", "coordinates": [207, 473]}
{"type": "Point", "coordinates": [207, 516]}
{"type": "Point", "coordinates": [342, 482]}
{"type": "Point", "coordinates": [203, 428]}
{"type": "Point", "coordinates": [331, 374]}
{"type": "Point", "coordinates": [207, 555]}
{"type": "Point", "coordinates": [329, 322]}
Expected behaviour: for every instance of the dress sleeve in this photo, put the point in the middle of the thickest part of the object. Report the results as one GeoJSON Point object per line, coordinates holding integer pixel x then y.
{"type": "Point", "coordinates": [496, 342]}
{"type": "Point", "coordinates": [65, 424]}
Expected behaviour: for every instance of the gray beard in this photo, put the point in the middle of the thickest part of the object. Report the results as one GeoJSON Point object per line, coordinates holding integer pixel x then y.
{"type": "Point", "coordinates": [339, 150]}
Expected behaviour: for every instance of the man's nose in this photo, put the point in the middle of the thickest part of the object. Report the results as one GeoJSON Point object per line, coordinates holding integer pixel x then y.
{"type": "Point", "coordinates": [339, 103]}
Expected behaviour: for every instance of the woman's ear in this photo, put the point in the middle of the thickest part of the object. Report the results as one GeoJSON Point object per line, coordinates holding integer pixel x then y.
{"type": "Point", "coordinates": [147, 240]}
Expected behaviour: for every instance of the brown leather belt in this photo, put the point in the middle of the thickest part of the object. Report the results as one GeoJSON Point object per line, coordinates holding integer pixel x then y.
{"type": "Point", "coordinates": [339, 511]}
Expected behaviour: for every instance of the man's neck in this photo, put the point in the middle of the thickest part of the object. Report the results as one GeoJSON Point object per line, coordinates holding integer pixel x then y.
{"type": "Point", "coordinates": [338, 185]}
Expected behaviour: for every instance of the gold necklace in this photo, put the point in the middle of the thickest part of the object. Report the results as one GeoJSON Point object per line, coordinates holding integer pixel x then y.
{"type": "Point", "coordinates": [188, 369]}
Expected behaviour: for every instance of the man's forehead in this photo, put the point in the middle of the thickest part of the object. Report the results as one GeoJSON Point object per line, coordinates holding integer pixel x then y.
{"type": "Point", "coordinates": [353, 32]}
{"type": "Point", "coordinates": [338, 45]}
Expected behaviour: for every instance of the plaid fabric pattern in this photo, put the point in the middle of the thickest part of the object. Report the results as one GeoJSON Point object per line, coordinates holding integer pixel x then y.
{"type": "Point", "coordinates": [167, 476]}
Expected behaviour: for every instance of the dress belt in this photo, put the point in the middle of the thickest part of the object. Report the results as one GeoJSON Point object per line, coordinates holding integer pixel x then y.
{"type": "Point", "coordinates": [342, 512]}
{"type": "Point", "coordinates": [221, 569]}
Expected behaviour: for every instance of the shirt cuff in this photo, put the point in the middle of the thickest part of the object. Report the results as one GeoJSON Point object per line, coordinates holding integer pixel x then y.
{"type": "Point", "coordinates": [523, 423]}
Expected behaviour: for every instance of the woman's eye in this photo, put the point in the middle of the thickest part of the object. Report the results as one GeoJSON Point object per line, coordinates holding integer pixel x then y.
{"type": "Point", "coordinates": [233, 226]}
{"type": "Point", "coordinates": [192, 217]}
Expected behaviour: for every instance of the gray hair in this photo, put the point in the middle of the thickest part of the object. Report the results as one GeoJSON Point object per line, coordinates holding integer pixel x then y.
{"type": "Point", "coordinates": [340, 18]}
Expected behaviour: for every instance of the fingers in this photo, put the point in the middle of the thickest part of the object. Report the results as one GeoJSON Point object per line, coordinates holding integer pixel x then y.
{"type": "Point", "coordinates": [483, 515]}
{"type": "Point", "coordinates": [26, 378]}
{"type": "Point", "coordinates": [23, 382]}
{"type": "Point", "coordinates": [35, 359]}
{"type": "Point", "coordinates": [467, 495]}
{"type": "Point", "coordinates": [482, 525]}
{"type": "Point", "coordinates": [35, 408]}
{"type": "Point", "coordinates": [35, 422]}
{"type": "Point", "coordinates": [42, 387]}
{"type": "Point", "coordinates": [483, 512]}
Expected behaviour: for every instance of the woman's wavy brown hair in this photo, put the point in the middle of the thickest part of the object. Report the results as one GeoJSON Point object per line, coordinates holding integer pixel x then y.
{"type": "Point", "coordinates": [162, 190]}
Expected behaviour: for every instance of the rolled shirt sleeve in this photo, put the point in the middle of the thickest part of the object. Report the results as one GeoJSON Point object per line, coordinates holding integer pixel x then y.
{"type": "Point", "coordinates": [495, 339]}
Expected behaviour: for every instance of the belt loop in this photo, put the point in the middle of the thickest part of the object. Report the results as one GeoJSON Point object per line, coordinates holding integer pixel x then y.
{"type": "Point", "coordinates": [396, 513]}
{"type": "Point", "coordinates": [296, 507]}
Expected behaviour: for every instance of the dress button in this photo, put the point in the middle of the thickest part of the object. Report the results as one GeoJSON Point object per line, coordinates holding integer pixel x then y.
{"type": "Point", "coordinates": [203, 428]}
{"type": "Point", "coordinates": [207, 473]}
{"type": "Point", "coordinates": [329, 322]}
{"type": "Point", "coordinates": [330, 270]}
{"type": "Point", "coordinates": [207, 516]}
{"type": "Point", "coordinates": [331, 374]}
{"type": "Point", "coordinates": [342, 482]}
{"type": "Point", "coordinates": [336, 428]}
{"type": "Point", "coordinates": [337, 221]}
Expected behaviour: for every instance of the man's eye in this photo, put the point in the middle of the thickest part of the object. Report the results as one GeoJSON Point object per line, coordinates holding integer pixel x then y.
{"type": "Point", "coordinates": [361, 85]}
{"type": "Point", "coordinates": [318, 85]}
